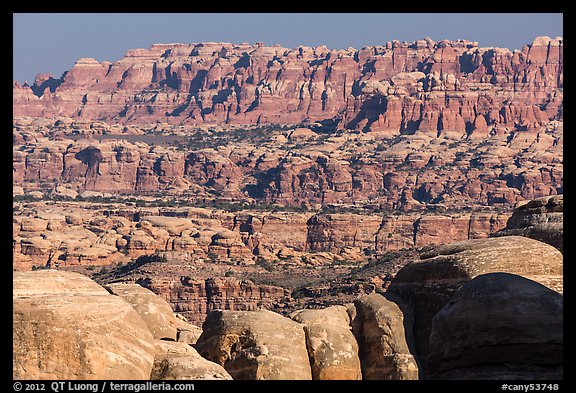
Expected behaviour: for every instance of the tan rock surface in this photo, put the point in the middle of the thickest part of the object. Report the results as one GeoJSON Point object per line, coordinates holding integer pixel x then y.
{"type": "Point", "coordinates": [189, 367]}
{"type": "Point", "coordinates": [332, 347]}
{"type": "Point", "coordinates": [67, 327]}
{"type": "Point", "coordinates": [429, 283]}
{"type": "Point", "coordinates": [384, 338]}
{"type": "Point", "coordinates": [180, 361]}
{"type": "Point", "coordinates": [51, 282]}
{"type": "Point", "coordinates": [187, 333]}
{"type": "Point", "coordinates": [541, 219]}
{"type": "Point", "coordinates": [255, 345]}
{"type": "Point", "coordinates": [153, 309]}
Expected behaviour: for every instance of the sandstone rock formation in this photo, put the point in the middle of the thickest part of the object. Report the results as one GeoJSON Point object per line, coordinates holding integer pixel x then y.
{"type": "Point", "coordinates": [383, 331]}
{"type": "Point", "coordinates": [402, 126]}
{"type": "Point", "coordinates": [407, 172]}
{"type": "Point", "coordinates": [192, 257]}
{"type": "Point", "coordinates": [223, 176]}
{"type": "Point", "coordinates": [332, 347]}
{"type": "Point", "coordinates": [52, 283]}
{"type": "Point", "coordinates": [65, 326]}
{"type": "Point", "coordinates": [424, 86]}
{"type": "Point", "coordinates": [477, 326]}
{"type": "Point", "coordinates": [67, 234]}
{"type": "Point", "coordinates": [541, 219]}
{"type": "Point", "coordinates": [329, 232]}
{"type": "Point", "coordinates": [179, 361]}
{"type": "Point", "coordinates": [194, 298]}
{"type": "Point", "coordinates": [429, 283]}
{"type": "Point", "coordinates": [186, 332]}
{"type": "Point", "coordinates": [153, 309]}
{"type": "Point", "coordinates": [499, 326]}
{"type": "Point", "coordinates": [255, 345]}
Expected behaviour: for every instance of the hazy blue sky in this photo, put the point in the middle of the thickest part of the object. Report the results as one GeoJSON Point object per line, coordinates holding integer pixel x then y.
{"type": "Point", "coordinates": [52, 42]}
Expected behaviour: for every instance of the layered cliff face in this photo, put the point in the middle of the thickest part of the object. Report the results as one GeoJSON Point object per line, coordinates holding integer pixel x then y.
{"type": "Point", "coordinates": [69, 234]}
{"type": "Point", "coordinates": [409, 172]}
{"type": "Point", "coordinates": [394, 127]}
{"type": "Point", "coordinates": [194, 298]}
{"type": "Point", "coordinates": [424, 86]}
{"type": "Point", "coordinates": [372, 233]}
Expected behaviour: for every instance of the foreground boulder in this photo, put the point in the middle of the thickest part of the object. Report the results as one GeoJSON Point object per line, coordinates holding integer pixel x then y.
{"type": "Point", "coordinates": [541, 219]}
{"type": "Point", "coordinates": [381, 328]}
{"type": "Point", "coordinates": [50, 282]}
{"type": "Point", "coordinates": [154, 310]}
{"type": "Point", "coordinates": [255, 345]}
{"type": "Point", "coordinates": [428, 284]}
{"type": "Point", "coordinates": [186, 332]}
{"type": "Point", "coordinates": [179, 361]}
{"type": "Point", "coordinates": [332, 347]}
{"type": "Point", "coordinates": [499, 326]}
{"type": "Point", "coordinates": [65, 326]}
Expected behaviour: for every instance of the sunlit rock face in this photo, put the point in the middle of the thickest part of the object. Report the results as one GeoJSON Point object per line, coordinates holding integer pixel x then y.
{"type": "Point", "coordinates": [423, 86]}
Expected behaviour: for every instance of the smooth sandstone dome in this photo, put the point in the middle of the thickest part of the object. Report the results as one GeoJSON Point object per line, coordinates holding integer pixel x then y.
{"type": "Point", "coordinates": [383, 328]}
{"type": "Point", "coordinates": [429, 283]}
{"type": "Point", "coordinates": [65, 326]}
{"type": "Point", "coordinates": [461, 261]}
{"type": "Point", "coordinates": [53, 283]}
{"type": "Point", "coordinates": [499, 326]}
{"type": "Point", "coordinates": [541, 219]}
{"type": "Point", "coordinates": [154, 310]}
{"type": "Point", "coordinates": [179, 361]}
{"type": "Point", "coordinates": [302, 134]}
{"type": "Point", "coordinates": [255, 345]}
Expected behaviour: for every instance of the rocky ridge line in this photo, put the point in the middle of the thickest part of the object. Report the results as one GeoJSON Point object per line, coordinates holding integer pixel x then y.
{"type": "Point", "coordinates": [424, 86]}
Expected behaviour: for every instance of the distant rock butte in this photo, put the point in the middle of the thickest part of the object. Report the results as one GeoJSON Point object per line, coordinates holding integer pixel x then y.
{"type": "Point", "coordinates": [424, 86]}
{"type": "Point", "coordinates": [401, 126]}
